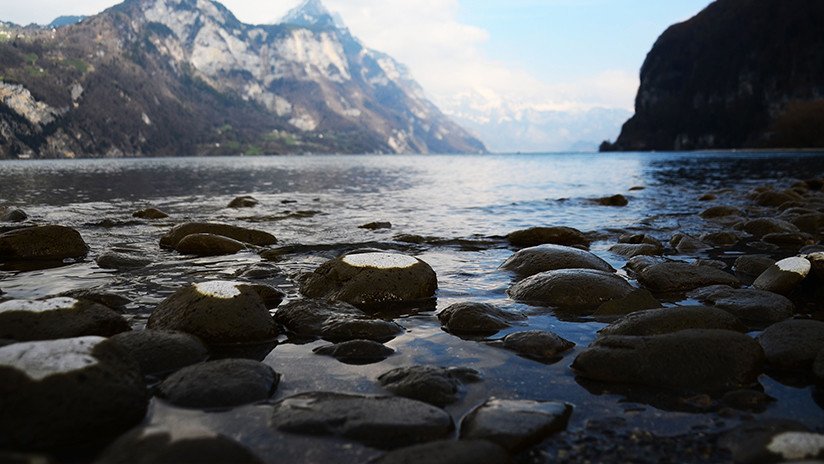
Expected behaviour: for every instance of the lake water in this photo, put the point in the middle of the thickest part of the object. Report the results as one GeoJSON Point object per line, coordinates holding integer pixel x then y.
{"type": "Point", "coordinates": [469, 201]}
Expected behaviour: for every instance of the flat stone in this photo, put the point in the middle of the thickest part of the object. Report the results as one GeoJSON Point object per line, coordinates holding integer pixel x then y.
{"type": "Point", "coordinates": [675, 277]}
{"type": "Point", "coordinates": [540, 345]}
{"type": "Point", "coordinates": [476, 318]}
{"type": "Point", "coordinates": [244, 201]}
{"type": "Point", "coordinates": [630, 250]}
{"type": "Point", "coordinates": [784, 276]}
{"type": "Point", "coordinates": [159, 351]}
{"type": "Point", "coordinates": [637, 300]}
{"type": "Point", "coordinates": [793, 344]}
{"type": "Point", "coordinates": [668, 320]}
{"type": "Point", "coordinates": [10, 214]}
{"type": "Point", "coordinates": [750, 305]}
{"type": "Point", "coordinates": [63, 394]}
{"type": "Point", "coordinates": [60, 317]}
{"type": "Point", "coordinates": [515, 425]}
{"type": "Point", "coordinates": [150, 213]}
{"type": "Point", "coordinates": [812, 223]}
{"type": "Point", "coordinates": [121, 261]}
{"type": "Point", "coordinates": [357, 352]}
{"type": "Point", "coordinates": [542, 258]}
{"type": "Point", "coordinates": [208, 245]}
{"type": "Point", "coordinates": [763, 226]}
{"type": "Point", "coordinates": [376, 225]}
{"type": "Point", "coordinates": [448, 452]}
{"type": "Point", "coordinates": [752, 265]}
{"type": "Point", "coordinates": [381, 422]}
{"type": "Point", "coordinates": [334, 321]}
{"type": "Point", "coordinates": [553, 235]}
{"type": "Point", "coordinates": [431, 384]}
{"type": "Point", "coordinates": [707, 360]}
{"type": "Point", "coordinates": [47, 243]}
{"type": "Point", "coordinates": [250, 236]}
{"type": "Point", "coordinates": [220, 384]}
{"type": "Point", "coordinates": [562, 288]}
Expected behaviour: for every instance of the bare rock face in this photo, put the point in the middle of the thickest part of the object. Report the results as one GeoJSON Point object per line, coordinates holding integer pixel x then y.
{"type": "Point", "coordinates": [54, 318]}
{"type": "Point", "coordinates": [49, 243]}
{"type": "Point", "coordinates": [241, 234]}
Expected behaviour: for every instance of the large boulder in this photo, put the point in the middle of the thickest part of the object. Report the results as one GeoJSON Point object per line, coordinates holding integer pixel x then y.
{"type": "Point", "coordinates": [220, 384]}
{"type": "Point", "coordinates": [217, 312]}
{"type": "Point", "coordinates": [160, 351]}
{"type": "Point", "coordinates": [557, 235]}
{"type": "Point", "coordinates": [793, 344]}
{"type": "Point", "coordinates": [783, 276]}
{"type": "Point", "coordinates": [748, 304]}
{"type": "Point", "coordinates": [55, 318]}
{"type": "Point", "coordinates": [371, 279]}
{"type": "Point", "coordinates": [476, 318]}
{"type": "Point", "coordinates": [48, 243]}
{"type": "Point", "coordinates": [696, 360]}
{"type": "Point", "coordinates": [677, 277]}
{"type": "Point", "coordinates": [431, 384]}
{"type": "Point", "coordinates": [542, 258]}
{"type": "Point", "coordinates": [515, 424]}
{"type": "Point", "coordinates": [67, 393]}
{"type": "Point", "coordinates": [334, 321]}
{"type": "Point", "coordinates": [563, 288]}
{"type": "Point", "coordinates": [661, 321]}
{"type": "Point", "coordinates": [250, 236]}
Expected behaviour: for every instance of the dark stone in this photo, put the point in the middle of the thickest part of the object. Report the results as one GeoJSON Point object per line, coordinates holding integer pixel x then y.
{"type": "Point", "coordinates": [540, 345]}
{"type": "Point", "coordinates": [562, 288]}
{"type": "Point", "coordinates": [121, 261]}
{"type": "Point", "coordinates": [763, 226]}
{"type": "Point", "coordinates": [220, 384]}
{"type": "Point", "coordinates": [159, 351]}
{"type": "Point", "coordinates": [476, 318]}
{"type": "Point", "coordinates": [342, 328]}
{"type": "Point", "coordinates": [357, 352]}
{"type": "Point", "coordinates": [818, 366]}
{"type": "Point", "coordinates": [334, 321]}
{"type": "Point", "coordinates": [695, 360]}
{"type": "Point", "coordinates": [793, 344]}
{"type": "Point", "coordinates": [637, 300]}
{"type": "Point", "coordinates": [784, 276]}
{"type": "Point", "coordinates": [52, 243]}
{"type": "Point", "coordinates": [271, 296]}
{"type": "Point", "coordinates": [434, 385]}
{"type": "Point", "coordinates": [721, 239]}
{"type": "Point", "coordinates": [770, 198]}
{"type": "Point", "coordinates": [250, 236]}
{"type": "Point", "coordinates": [789, 239]}
{"type": "Point", "coordinates": [668, 320]}
{"type": "Point", "coordinates": [752, 265]}
{"type": "Point", "coordinates": [109, 299]}
{"type": "Point", "coordinates": [381, 422]}
{"type": "Point", "coordinates": [150, 213]}
{"type": "Point", "coordinates": [772, 441]}
{"type": "Point", "coordinates": [243, 202]}
{"type": "Point", "coordinates": [749, 305]}
{"type": "Point", "coordinates": [708, 197]}
{"type": "Point", "coordinates": [554, 235]}
{"type": "Point", "coordinates": [259, 271]}
{"type": "Point", "coordinates": [637, 264]}
{"type": "Point", "coordinates": [208, 245]}
{"type": "Point", "coordinates": [638, 239]}
{"type": "Point", "coordinates": [685, 244]}
{"type": "Point", "coordinates": [376, 225]}
{"type": "Point", "coordinates": [630, 250]}
{"type": "Point", "coordinates": [675, 277]}
{"type": "Point", "coordinates": [810, 223]}
{"type": "Point", "coordinates": [64, 394]}
{"type": "Point", "coordinates": [515, 424]}
{"type": "Point", "coordinates": [614, 200]}
{"type": "Point", "coordinates": [55, 318]}
{"type": "Point", "coordinates": [542, 258]}
{"type": "Point", "coordinates": [448, 452]}
{"type": "Point", "coordinates": [720, 212]}
{"type": "Point", "coordinates": [9, 214]}
{"type": "Point", "coordinates": [746, 400]}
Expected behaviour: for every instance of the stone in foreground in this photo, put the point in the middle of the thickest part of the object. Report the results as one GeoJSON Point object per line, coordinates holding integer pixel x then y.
{"type": "Point", "coordinates": [46, 243]}
{"type": "Point", "coordinates": [448, 452]}
{"type": "Point", "coordinates": [431, 384]}
{"type": "Point", "coordinates": [542, 258]}
{"type": "Point", "coordinates": [748, 304]}
{"type": "Point", "coordinates": [66, 393]}
{"type": "Point", "coordinates": [381, 422]}
{"type": "Point", "coordinates": [515, 424]}
{"type": "Point", "coordinates": [783, 276]}
{"type": "Point", "coordinates": [678, 277]}
{"type": "Point", "coordinates": [694, 360]}
{"type": "Point", "coordinates": [370, 279]}
{"type": "Point", "coordinates": [668, 320]}
{"type": "Point", "coordinates": [334, 321]}
{"type": "Point", "coordinates": [554, 235]}
{"type": "Point", "coordinates": [563, 288]}
{"type": "Point", "coordinates": [54, 318]}
{"type": "Point", "coordinates": [793, 344]}
{"type": "Point", "coordinates": [356, 352]}
{"type": "Point", "coordinates": [476, 318]}
{"type": "Point", "coordinates": [159, 351]}
{"type": "Point", "coordinates": [220, 384]}
{"type": "Point", "coordinates": [241, 234]}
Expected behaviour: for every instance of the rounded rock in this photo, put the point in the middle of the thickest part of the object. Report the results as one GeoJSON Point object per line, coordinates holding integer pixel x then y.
{"type": "Point", "coordinates": [121, 261]}
{"type": "Point", "coordinates": [539, 345]}
{"type": "Point", "coordinates": [793, 344]}
{"type": "Point", "coordinates": [764, 226]}
{"type": "Point", "coordinates": [675, 277]}
{"type": "Point", "coordinates": [562, 288]}
{"type": "Point", "coordinates": [614, 200]}
{"type": "Point", "coordinates": [542, 258]}
{"type": "Point", "coordinates": [631, 250]}
{"type": "Point", "coordinates": [752, 265]}
{"type": "Point", "coordinates": [208, 245]}
{"type": "Point", "coordinates": [720, 212]}
{"type": "Point", "coordinates": [160, 351]}
{"type": "Point", "coordinates": [749, 305]}
{"type": "Point", "coordinates": [60, 317]}
{"type": "Point", "coordinates": [250, 236]}
{"type": "Point", "coordinates": [9, 214]}
{"type": "Point", "coordinates": [557, 235]}
{"type": "Point", "coordinates": [150, 213]}
{"type": "Point", "coordinates": [356, 352]}
{"type": "Point", "coordinates": [515, 424]}
{"type": "Point", "coordinates": [476, 318]}
{"type": "Point", "coordinates": [47, 243]}
{"type": "Point", "coordinates": [668, 320]}
{"type": "Point", "coordinates": [244, 201]}
{"type": "Point", "coordinates": [783, 276]}
{"type": "Point", "coordinates": [434, 385]}
{"type": "Point", "coordinates": [220, 384]}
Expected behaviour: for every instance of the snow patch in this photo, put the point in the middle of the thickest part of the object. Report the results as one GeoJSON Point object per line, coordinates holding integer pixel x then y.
{"type": "Point", "coordinates": [218, 289]}
{"type": "Point", "coordinates": [380, 260]}
{"type": "Point", "coordinates": [39, 360]}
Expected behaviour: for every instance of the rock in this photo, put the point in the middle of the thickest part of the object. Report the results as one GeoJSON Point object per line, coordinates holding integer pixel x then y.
{"type": "Point", "coordinates": [260, 271]}
{"type": "Point", "coordinates": [381, 422]}
{"type": "Point", "coordinates": [638, 239]}
{"type": "Point", "coordinates": [150, 213]}
{"type": "Point", "coordinates": [271, 296]}
{"type": "Point", "coordinates": [357, 352]}
{"type": "Point", "coordinates": [793, 344]}
{"type": "Point", "coordinates": [783, 276]}
{"type": "Point", "coordinates": [614, 200]}
{"type": "Point", "coordinates": [763, 226]}
{"type": "Point", "coordinates": [341, 328]}
{"type": "Point", "coordinates": [818, 366]}
{"type": "Point", "coordinates": [9, 214]}
{"type": "Point", "coordinates": [476, 318]}
{"type": "Point", "coordinates": [55, 318]}
{"type": "Point", "coordinates": [376, 225]}
{"type": "Point", "coordinates": [208, 245]}
{"type": "Point", "coordinates": [250, 236]}
{"type": "Point", "coordinates": [810, 223]}
{"type": "Point", "coordinates": [434, 385]}
{"type": "Point", "coordinates": [675, 277]}
{"type": "Point", "coordinates": [637, 300]}
{"type": "Point", "coordinates": [789, 239]}
{"type": "Point", "coordinates": [48, 243]}
{"type": "Point", "coordinates": [637, 264]}
{"type": "Point", "coordinates": [662, 321]}
{"type": "Point", "coordinates": [108, 299]}
{"type": "Point", "coordinates": [556, 235]}
{"type": "Point", "coordinates": [817, 265]}
{"type": "Point", "coordinates": [183, 443]}
{"type": "Point", "coordinates": [746, 400]}
{"type": "Point", "coordinates": [334, 321]}
{"type": "Point", "coordinates": [220, 384]}
{"type": "Point", "coordinates": [121, 261]}
{"type": "Point", "coordinates": [749, 305]}
{"type": "Point", "coordinates": [371, 279]}
{"type": "Point", "coordinates": [515, 424]}
{"type": "Point", "coordinates": [771, 198]}
{"type": "Point", "coordinates": [562, 288]}
{"type": "Point", "coordinates": [245, 201]}
{"type": "Point", "coordinates": [707, 360]}
{"type": "Point", "coordinates": [721, 239]}
{"type": "Point", "coordinates": [685, 244]}
{"type": "Point", "coordinates": [630, 250]}
{"type": "Point", "coordinates": [217, 312]}
{"type": "Point", "coordinates": [720, 212]}
{"type": "Point", "coordinates": [540, 345]}
{"type": "Point", "coordinates": [159, 352]}
{"type": "Point", "coordinates": [448, 452]}
{"type": "Point", "coordinates": [542, 258]}
{"type": "Point", "coordinates": [64, 394]}
{"type": "Point", "coordinates": [772, 440]}
{"type": "Point", "coordinates": [752, 265]}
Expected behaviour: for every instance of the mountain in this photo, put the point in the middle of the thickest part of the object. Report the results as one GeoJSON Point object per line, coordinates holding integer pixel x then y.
{"type": "Point", "coordinates": [185, 77]}
{"type": "Point", "coordinates": [740, 74]}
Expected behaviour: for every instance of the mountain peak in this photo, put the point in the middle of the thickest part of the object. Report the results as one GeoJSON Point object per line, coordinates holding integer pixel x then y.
{"type": "Point", "coordinates": [312, 13]}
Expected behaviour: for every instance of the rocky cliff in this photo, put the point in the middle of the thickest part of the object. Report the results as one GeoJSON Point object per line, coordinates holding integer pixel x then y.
{"type": "Point", "coordinates": [740, 74]}
{"type": "Point", "coordinates": [185, 77]}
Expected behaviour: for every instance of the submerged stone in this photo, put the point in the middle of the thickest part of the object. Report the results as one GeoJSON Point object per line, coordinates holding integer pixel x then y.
{"type": "Point", "coordinates": [244, 201]}
{"type": "Point", "coordinates": [639, 299]}
{"type": "Point", "coordinates": [533, 260]}
{"type": "Point", "coordinates": [250, 236]}
{"type": "Point", "coordinates": [562, 288]}
{"type": "Point", "coordinates": [540, 345]}
{"type": "Point", "coordinates": [614, 200]}
{"type": "Point", "coordinates": [357, 352]}
{"type": "Point", "coordinates": [476, 318]}
{"type": "Point", "coordinates": [121, 261]}
{"type": "Point", "coordinates": [220, 384]}
{"type": "Point", "coordinates": [515, 424]}
{"type": "Point", "coordinates": [334, 321]}
{"type": "Point", "coordinates": [42, 243]}
{"type": "Point", "coordinates": [376, 226]}
{"type": "Point", "coordinates": [208, 245]}
{"type": "Point", "coordinates": [431, 384]}
{"type": "Point", "coordinates": [150, 213]}
{"type": "Point", "coordinates": [552, 235]}
{"type": "Point", "coordinates": [668, 320]}
{"type": "Point", "coordinates": [773, 440]}
{"type": "Point", "coordinates": [60, 317]}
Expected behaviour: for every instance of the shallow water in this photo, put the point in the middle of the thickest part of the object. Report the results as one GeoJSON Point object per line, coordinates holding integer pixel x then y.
{"type": "Point", "coordinates": [322, 200]}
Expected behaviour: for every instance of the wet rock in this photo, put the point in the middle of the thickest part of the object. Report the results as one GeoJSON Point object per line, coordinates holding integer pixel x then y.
{"type": "Point", "coordinates": [540, 345]}
{"type": "Point", "coordinates": [750, 305]}
{"type": "Point", "coordinates": [715, 212]}
{"type": "Point", "coordinates": [250, 236]}
{"type": "Point", "coordinates": [685, 244]}
{"type": "Point", "coordinates": [636, 300]}
{"type": "Point", "coordinates": [434, 385]}
{"type": "Point", "coordinates": [818, 366]}
{"type": "Point", "coordinates": [810, 223]}
{"type": "Point", "coordinates": [121, 261]}
{"type": "Point", "coordinates": [772, 441]}
{"type": "Point", "coordinates": [260, 271]}
{"type": "Point", "coordinates": [369, 279]}
{"type": "Point", "coordinates": [630, 250]}
{"type": "Point", "coordinates": [96, 295]}
{"type": "Point", "coordinates": [334, 321]}
{"type": "Point", "coordinates": [552, 235]}
{"type": "Point", "coordinates": [382, 422]}
{"type": "Point", "coordinates": [160, 351]}
{"type": "Point", "coordinates": [752, 265]}
{"type": "Point", "coordinates": [357, 352]}
{"type": "Point", "coordinates": [817, 265]}
{"type": "Point", "coordinates": [763, 226]}
{"type": "Point", "coordinates": [793, 344]}
{"type": "Point", "coordinates": [341, 328]}
{"type": "Point", "coordinates": [746, 400]}
{"type": "Point", "coordinates": [533, 260]}
{"type": "Point", "coordinates": [637, 264]}
{"type": "Point", "coordinates": [707, 360]}
{"type": "Point", "coordinates": [721, 239]}
{"type": "Point", "coordinates": [562, 288]}
{"type": "Point", "coordinates": [661, 321]}
{"type": "Point", "coordinates": [180, 444]}
{"type": "Point", "coordinates": [789, 239]}
{"type": "Point", "coordinates": [448, 452]}
{"type": "Point", "coordinates": [244, 201]}
{"type": "Point", "coordinates": [150, 213]}
{"type": "Point", "coordinates": [9, 214]}
{"type": "Point", "coordinates": [476, 318]}
{"type": "Point", "coordinates": [614, 200]}
{"type": "Point", "coordinates": [271, 296]}
{"type": "Point", "coordinates": [411, 238]}
{"type": "Point", "coordinates": [55, 318]}
{"type": "Point", "coordinates": [220, 384]}
{"type": "Point", "coordinates": [770, 198]}
{"type": "Point", "coordinates": [638, 239]}
{"type": "Point", "coordinates": [783, 276]}
{"type": "Point", "coordinates": [675, 277]}
{"type": "Point", "coordinates": [515, 424]}
{"type": "Point", "coordinates": [208, 245]}
{"type": "Point", "coordinates": [718, 264]}
{"type": "Point", "coordinates": [217, 312]}
{"type": "Point", "coordinates": [376, 225]}
{"type": "Point", "coordinates": [708, 197]}
{"type": "Point", "coordinates": [42, 243]}
{"type": "Point", "coordinates": [67, 393]}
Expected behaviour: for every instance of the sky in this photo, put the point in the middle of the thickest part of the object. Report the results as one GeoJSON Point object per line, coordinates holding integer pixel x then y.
{"type": "Point", "coordinates": [561, 55]}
